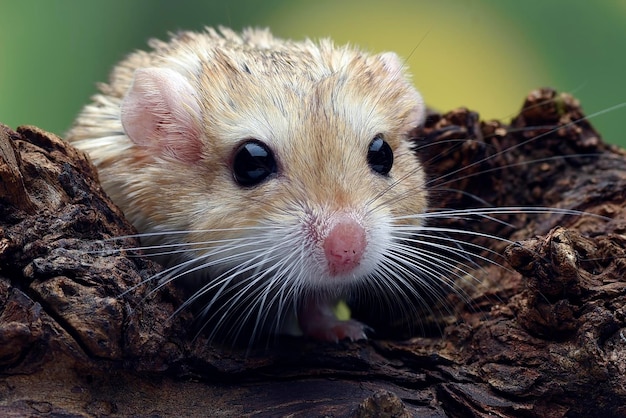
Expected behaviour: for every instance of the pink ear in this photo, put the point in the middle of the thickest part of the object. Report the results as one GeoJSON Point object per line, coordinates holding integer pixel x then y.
{"type": "Point", "coordinates": [161, 112]}
{"type": "Point", "coordinates": [395, 67]}
{"type": "Point", "coordinates": [392, 63]}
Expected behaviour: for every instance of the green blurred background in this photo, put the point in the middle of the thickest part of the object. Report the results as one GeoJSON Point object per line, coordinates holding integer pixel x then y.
{"type": "Point", "coordinates": [484, 54]}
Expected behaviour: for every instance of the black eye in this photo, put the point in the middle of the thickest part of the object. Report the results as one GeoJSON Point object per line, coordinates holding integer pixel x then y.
{"type": "Point", "coordinates": [380, 156]}
{"type": "Point", "coordinates": [253, 163]}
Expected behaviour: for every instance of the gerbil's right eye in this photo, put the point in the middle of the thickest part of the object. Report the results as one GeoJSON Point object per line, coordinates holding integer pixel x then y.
{"type": "Point", "coordinates": [380, 156]}
{"type": "Point", "coordinates": [253, 163]}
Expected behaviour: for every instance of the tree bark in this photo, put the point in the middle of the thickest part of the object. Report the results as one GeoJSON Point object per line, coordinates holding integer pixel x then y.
{"type": "Point", "coordinates": [83, 332]}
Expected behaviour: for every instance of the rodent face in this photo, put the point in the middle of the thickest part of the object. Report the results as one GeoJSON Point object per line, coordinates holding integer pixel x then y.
{"type": "Point", "coordinates": [166, 132]}
{"type": "Point", "coordinates": [319, 133]}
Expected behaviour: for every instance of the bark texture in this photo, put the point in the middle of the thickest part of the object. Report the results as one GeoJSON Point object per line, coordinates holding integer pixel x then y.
{"type": "Point", "coordinates": [81, 333]}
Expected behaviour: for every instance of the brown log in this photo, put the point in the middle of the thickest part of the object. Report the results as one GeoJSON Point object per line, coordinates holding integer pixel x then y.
{"type": "Point", "coordinates": [81, 333]}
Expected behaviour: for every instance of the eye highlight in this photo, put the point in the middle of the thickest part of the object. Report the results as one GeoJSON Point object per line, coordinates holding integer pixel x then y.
{"type": "Point", "coordinates": [253, 163]}
{"type": "Point", "coordinates": [380, 156]}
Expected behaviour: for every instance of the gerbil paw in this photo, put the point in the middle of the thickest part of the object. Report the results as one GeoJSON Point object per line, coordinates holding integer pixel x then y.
{"type": "Point", "coordinates": [317, 320]}
{"type": "Point", "coordinates": [335, 331]}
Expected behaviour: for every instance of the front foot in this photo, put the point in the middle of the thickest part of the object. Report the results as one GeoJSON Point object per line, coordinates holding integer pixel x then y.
{"type": "Point", "coordinates": [317, 320]}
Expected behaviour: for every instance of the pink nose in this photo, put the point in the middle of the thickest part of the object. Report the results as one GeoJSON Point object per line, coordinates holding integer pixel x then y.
{"type": "Point", "coordinates": [344, 246]}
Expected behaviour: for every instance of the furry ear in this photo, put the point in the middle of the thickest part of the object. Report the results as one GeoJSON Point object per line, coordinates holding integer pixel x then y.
{"type": "Point", "coordinates": [161, 112]}
{"type": "Point", "coordinates": [396, 69]}
{"type": "Point", "coordinates": [392, 63]}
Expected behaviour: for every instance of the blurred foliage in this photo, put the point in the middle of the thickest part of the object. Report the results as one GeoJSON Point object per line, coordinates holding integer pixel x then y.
{"type": "Point", "coordinates": [483, 54]}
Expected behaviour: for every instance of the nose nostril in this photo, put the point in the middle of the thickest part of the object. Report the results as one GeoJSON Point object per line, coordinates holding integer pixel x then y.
{"type": "Point", "coordinates": [344, 246]}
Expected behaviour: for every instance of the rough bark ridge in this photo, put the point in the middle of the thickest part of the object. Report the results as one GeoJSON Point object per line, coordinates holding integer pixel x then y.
{"type": "Point", "coordinates": [82, 335]}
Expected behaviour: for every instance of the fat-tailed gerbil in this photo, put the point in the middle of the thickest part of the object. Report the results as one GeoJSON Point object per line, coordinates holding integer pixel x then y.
{"type": "Point", "coordinates": [274, 176]}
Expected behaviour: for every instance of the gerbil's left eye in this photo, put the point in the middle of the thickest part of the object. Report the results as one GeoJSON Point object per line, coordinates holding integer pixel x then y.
{"type": "Point", "coordinates": [253, 163]}
{"type": "Point", "coordinates": [380, 156]}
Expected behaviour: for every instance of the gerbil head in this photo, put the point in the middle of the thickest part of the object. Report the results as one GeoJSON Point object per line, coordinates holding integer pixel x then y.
{"type": "Point", "coordinates": [285, 166]}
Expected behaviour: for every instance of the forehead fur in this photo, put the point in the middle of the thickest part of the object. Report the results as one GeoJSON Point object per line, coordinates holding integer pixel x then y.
{"type": "Point", "coordinates": [234, 72]}
{"type": "Point", "coordinates": [257, 51]}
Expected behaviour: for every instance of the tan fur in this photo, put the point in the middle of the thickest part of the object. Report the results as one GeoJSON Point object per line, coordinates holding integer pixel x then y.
{"type": "Point", "coordinates": [318, 106]}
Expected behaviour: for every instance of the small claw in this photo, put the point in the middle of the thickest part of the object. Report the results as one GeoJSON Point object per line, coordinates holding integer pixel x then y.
{"type": "Point", "coordinates": [344, 330]}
